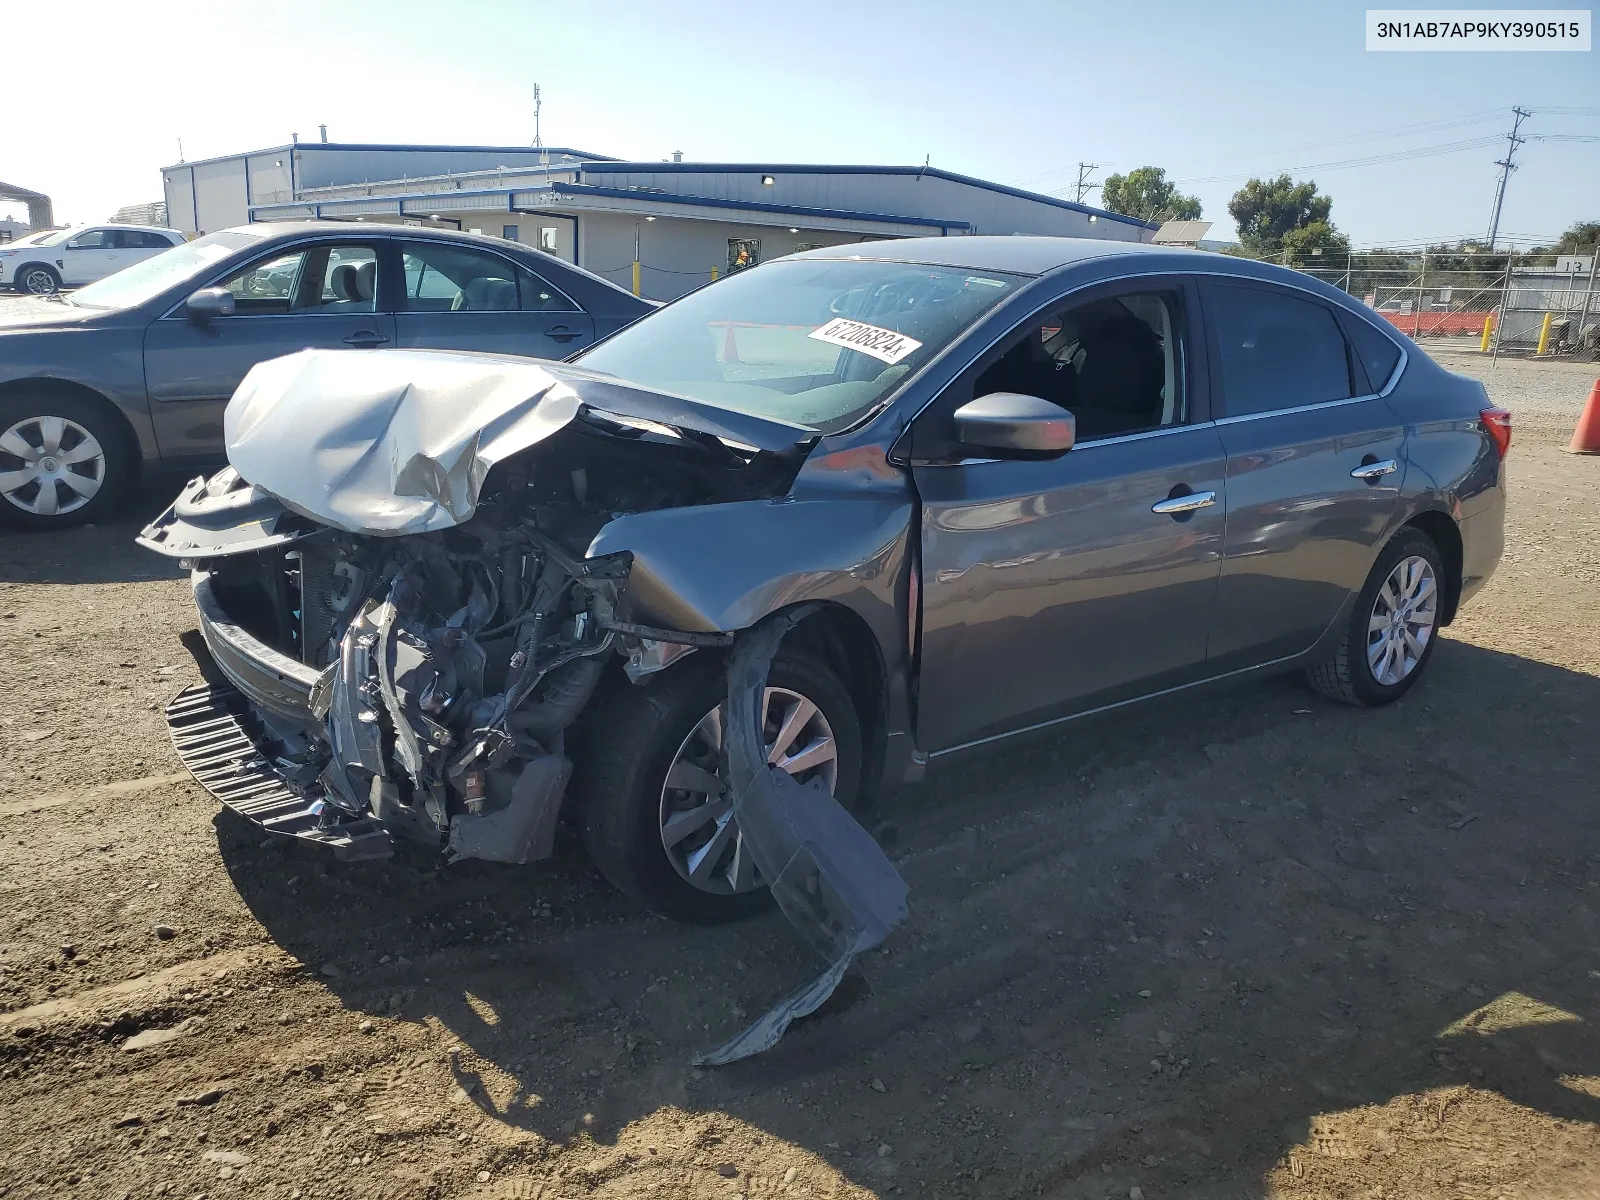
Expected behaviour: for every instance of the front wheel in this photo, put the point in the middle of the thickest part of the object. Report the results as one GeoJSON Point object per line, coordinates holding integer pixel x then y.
{"type": "Point", "coordinates": [38, 280]}
{"type": "Point", "coordinates": [1392, 629]}
{"type": "Point", "coordinates": [653, 802]}
{"type": "Point", "coordinates": [63, 461]}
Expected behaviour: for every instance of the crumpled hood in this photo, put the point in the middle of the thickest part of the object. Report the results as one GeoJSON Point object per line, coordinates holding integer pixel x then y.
{"type": "Point", "coordinates": [394, 442]}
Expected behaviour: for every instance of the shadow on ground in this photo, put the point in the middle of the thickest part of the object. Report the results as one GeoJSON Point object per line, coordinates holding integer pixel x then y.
{"type": "Point", "coordinates": [99, 553]}
{"type": "Point", "coordinates": [1150, 951]}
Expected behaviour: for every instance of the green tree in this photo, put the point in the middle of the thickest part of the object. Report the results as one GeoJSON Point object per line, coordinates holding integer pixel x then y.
{"type": "Point", "coordinates": [1267, 211]}
{"type": "Point", "coordinates": [1318, 244]}
{"type": "Point", "coordinates": [1584, 235]}
{"type": "Point", "coordinates": [1147, 194]}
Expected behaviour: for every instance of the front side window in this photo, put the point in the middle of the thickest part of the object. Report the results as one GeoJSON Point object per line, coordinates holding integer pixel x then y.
{"type": "Point", "coordinates": [444, 278]}
{"type": "Point", "coordinates": [95, 239]}
{"type": "Point", "coordinates": [1276, 350]}
{"type": "Point", "coordinates": [318, 279]}
{"type": "Point", "coordinates": [815, 342]}
{"type": "Point", "coordinates": [1116, 363]}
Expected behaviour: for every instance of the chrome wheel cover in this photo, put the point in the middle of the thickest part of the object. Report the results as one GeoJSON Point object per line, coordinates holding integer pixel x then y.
{"type": "Point", "coordinates": [698, 832]}
{"type": "Point", "coordinates": [1402, 620]}
{"type": "Point", "coordinates": [50, 466]}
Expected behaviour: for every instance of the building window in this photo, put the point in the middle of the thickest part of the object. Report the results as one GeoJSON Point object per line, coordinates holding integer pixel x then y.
{"type": "Point", "coordinates": [547, 238]}
{"type": "Point", "coordinates": [742, 253]}
{"type": "Point", "coordinates": [509, 232]}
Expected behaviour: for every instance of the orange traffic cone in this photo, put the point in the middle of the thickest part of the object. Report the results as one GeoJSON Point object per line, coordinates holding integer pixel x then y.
{"type": "Point", "coordinates": [1586, 437]}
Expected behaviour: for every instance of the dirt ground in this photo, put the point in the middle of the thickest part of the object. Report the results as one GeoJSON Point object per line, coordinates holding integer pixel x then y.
{"type": "Point", "coordinates": [1259, 945]}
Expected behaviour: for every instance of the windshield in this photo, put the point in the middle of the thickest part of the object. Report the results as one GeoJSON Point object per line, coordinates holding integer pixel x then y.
{"type": "Point", "coordinates": [815, 342]}
{"type": "Point", "coordinates": [56, 237]}
{"type": "Point", "coordinates": [148, 279]}
{"type": "Point", "coordinates": [32, 239]}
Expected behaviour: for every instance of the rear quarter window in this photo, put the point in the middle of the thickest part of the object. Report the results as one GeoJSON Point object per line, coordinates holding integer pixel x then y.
{"type": "Point", "coordinates": [1374, 350]}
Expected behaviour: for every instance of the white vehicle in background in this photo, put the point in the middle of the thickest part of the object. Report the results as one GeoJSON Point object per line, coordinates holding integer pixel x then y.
{"type": "Point", "coordinates": [73, 257]}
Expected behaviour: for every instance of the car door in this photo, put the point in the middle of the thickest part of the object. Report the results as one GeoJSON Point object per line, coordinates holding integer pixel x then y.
{"type": "Point", "coordinates": [321, 294]}
{"type": "Point", "coordinates": [462, 297]}
{"type": "Point", "coordinates": [88, 256]}
{"type": "Point", "coordinates": [1315, 465]}
{"type": "Point", "coordinates": [136, 245]}
{"type": "Point", "coordinates": [1057, 586]}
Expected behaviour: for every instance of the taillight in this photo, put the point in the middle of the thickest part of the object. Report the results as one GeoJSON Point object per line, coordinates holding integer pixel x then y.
{"type": "Point", "coordinates": [1497, 424]}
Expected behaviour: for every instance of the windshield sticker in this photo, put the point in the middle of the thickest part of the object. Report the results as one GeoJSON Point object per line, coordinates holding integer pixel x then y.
{"type": "Point", "coordinates": [883, 344]}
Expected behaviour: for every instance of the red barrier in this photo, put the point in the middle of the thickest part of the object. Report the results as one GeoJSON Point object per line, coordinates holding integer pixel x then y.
{"type": "Point", "coordinates": [1437, 324]}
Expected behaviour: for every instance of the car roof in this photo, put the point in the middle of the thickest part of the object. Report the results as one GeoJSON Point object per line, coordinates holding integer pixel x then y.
{"type": "Point", "coordinates": [285, 230]}
{"type": "Point", "coordinates": [1015, 254]}
{"type": "Point", "coordinates": [122, 225]}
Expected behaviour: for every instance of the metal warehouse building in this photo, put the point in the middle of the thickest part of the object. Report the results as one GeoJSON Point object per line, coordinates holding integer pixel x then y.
{"type": "Point", "coordinates": [681, 222]}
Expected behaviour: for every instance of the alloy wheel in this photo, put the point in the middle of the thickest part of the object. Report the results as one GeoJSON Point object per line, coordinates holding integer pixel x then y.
{"type": "Point", "coordinates": [1402, 620]}
{"type": "Point", "coordinates": [50, 466]}
{"type": "Point", "coordinates": [39, 282]}
{"type": "Point", "coordinates": [698, 830]}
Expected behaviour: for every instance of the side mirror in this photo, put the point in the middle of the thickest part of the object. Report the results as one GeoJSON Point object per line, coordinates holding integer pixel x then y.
{"type": "Point", "coordinates": [1016, 426]}
{"type": "Point", "coordinates": [208, 303]}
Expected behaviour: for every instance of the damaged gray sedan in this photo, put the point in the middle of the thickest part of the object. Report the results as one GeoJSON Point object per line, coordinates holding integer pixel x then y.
{"type": "Point", "coordinates": [912, 497]}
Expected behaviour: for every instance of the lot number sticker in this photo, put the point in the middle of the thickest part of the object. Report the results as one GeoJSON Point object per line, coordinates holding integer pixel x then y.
{"type": "Point", "coordinates": [883, 344]}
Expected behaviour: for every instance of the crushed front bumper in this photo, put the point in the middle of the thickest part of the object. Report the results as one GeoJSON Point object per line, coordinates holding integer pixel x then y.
{"type": "Point", "coordinates": [221, 734]}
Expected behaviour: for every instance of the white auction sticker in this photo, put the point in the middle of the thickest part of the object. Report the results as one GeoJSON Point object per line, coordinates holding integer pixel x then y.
{"type": "Point", "coordinates": [884, 344]}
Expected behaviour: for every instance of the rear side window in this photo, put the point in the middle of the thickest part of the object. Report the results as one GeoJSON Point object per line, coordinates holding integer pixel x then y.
{"type": "Point", "coordinates": [1276, 350]}
{"type": "Point", "coordinates": [1376, 351]}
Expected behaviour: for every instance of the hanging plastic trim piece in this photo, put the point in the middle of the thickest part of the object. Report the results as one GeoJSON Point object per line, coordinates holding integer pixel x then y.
{"type": "Point", "coordinates": [828, 875]}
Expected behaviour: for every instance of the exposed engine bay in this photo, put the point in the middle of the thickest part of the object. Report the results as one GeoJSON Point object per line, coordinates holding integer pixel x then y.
{"type": "Point", "coordinates": [452, 663]}
{"type": "Point", "coordinates": [398, 579]}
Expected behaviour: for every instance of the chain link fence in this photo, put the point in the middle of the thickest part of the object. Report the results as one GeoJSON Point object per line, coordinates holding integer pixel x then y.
{"type": "Point", "coordinates": [1532, 304]}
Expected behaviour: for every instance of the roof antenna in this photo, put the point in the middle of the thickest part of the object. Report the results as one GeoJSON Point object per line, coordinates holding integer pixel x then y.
{"type": "Point", "coordinates": [926, 159]}
{"type": "Point", "coordinates": [323, 129]}
{"type": "Point", "coordinates": [538, 140]}
{"type": "Point", "coordinates": [180, 149]}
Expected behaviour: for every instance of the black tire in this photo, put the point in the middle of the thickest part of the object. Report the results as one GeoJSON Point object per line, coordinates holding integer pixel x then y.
{"type": "Point", "coordinates": [628, 742]}
{"type": "Point", "coordinates": [120, 462]}
{"type": "Point", "coordinates": [1347, 676]}
{"type": "Point", "coordinates": [37, 279]}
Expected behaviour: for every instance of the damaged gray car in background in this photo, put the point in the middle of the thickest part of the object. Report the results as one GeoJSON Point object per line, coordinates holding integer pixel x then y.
{"type": "Point", "coordinates": [702, 591]}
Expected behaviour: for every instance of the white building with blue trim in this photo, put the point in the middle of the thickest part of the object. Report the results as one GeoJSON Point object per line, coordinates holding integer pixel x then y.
{"type": "Point", "coordinates": [681, 221]}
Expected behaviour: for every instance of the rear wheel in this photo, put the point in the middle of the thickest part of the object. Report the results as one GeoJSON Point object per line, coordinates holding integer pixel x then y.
{"type": "Point", "coordinates": [1392, 629]}
{"type": "Point", "coordinates": [37, 279]}
{"type": "Point", "coordinates": [655, 811]}
{"type": "Point", "coordinates": [63, 461]}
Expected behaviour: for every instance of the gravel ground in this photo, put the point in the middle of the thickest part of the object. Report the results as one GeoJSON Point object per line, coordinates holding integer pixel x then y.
{"type": "Point", "coordinates": [1275, 948]}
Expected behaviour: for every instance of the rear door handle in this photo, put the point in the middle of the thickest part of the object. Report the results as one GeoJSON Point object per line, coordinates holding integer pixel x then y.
{"type": "Point", "coordinates": [562, 334]}
{"type": "Point", "coordinates": [366, 339]}
{"type": "Point", "coordinates": [1375, 470]}
{"type": "Point", "coordinates": [1174, 506]}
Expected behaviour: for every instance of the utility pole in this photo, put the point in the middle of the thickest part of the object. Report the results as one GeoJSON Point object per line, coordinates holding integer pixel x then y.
{"type": "Point", "coordinates": [1506, 167]}
{"type": "Point", "coordinates": [1084, 186]}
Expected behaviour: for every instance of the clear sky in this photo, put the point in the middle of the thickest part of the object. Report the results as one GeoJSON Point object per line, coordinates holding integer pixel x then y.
{"type": "Point", "coordinates": [1010, 90]}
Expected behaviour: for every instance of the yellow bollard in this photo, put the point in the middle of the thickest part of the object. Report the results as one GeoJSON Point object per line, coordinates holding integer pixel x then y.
{"type": "Point", "coordinates": [1488, 328]}
{"type": "Point", "coordinates": [636, 277]}
{"type": "Point", "coordinates": [713, 274]}
{"type": "Point", "coordinates": [1544, 335]}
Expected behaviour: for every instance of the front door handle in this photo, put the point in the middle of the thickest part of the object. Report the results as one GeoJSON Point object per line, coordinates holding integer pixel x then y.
{"type": "Point", "coordinates": [366, 339]}
{"type": "Point", "coordinates": [1176, 506]}
{"type": "Point", "coordinates": [562, 334]}
{"type": "Point", "coordinates": [1375, 470]}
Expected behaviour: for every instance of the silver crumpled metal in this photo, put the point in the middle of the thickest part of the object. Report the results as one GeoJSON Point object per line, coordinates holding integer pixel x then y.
{"type": "Point", "coordinates": [388, 442]}
{"type": "Point", "coordinates": [829, 876]}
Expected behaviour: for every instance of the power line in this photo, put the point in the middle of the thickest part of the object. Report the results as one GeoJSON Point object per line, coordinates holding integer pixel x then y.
{"type": "Point", "coordinates": [1435, 125]}
{"type": "Point", "coordinates": [1369, 160]}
